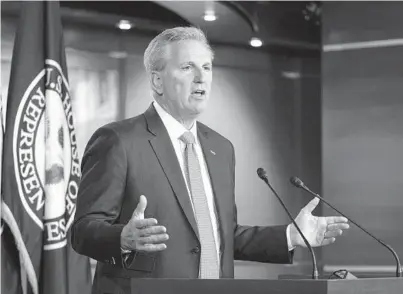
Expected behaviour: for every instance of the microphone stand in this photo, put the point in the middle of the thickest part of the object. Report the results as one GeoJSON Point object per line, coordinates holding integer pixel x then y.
{"type": "Point", "coordinates": [315, 274]}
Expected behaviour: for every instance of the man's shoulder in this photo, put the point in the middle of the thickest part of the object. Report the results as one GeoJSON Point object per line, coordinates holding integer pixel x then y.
{"type": "Point", "coordinates": [124, 133]}
{"type": "Point", "coordinates": [127, 127]}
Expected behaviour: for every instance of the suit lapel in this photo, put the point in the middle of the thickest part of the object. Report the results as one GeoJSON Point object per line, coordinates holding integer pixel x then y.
{"type": "Point", "coordinates": [216, 169]}
{"type": "Point", "coordinates": [163, 149]}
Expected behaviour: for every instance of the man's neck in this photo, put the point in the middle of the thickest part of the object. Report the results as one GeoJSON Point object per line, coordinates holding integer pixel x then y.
{"type": "Point", "coordinates": [186, 122]}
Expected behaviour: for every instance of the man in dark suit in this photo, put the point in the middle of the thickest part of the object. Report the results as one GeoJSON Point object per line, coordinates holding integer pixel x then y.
{"type": "Point", "coordinates": [156, 197]}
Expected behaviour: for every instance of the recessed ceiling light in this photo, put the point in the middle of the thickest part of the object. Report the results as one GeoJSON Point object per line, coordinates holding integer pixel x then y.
{"type": "Point", "coordinates": [210, 16]}
{"type": "Point", "coordinates": [255, 42]}
{"type": "Point", "coordinates": [124, 25]}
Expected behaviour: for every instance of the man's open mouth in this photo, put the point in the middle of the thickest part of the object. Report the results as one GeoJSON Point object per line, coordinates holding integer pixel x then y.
{"type": "Point", "coordinates": [199, 92]}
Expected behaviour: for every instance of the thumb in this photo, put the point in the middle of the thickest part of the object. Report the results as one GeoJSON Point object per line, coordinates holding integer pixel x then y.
{"type": "Point", "coordinates": [138, 213]}
{"type": "Point", "coordinates": [311, 205]}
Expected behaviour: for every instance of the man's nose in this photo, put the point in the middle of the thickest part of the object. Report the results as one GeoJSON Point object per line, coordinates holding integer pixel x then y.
{"type": "Point", "coordinates": [199, 75]}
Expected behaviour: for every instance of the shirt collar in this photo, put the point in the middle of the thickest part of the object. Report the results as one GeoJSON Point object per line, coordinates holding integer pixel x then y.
{"type": "Point", "coordinates": [175, 129]}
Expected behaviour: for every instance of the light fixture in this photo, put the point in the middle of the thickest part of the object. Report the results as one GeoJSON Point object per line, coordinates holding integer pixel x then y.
{"type": "Point", "coordinates": [118, 54]}
{"type": "Point", "coordinates": [209, 15]}
{"type": "Point", "coordinates": [292, 75]}
{"type": "Point", "coordinates": [255, 42]}
{"type": "Point", "coordinates": [124, 25]}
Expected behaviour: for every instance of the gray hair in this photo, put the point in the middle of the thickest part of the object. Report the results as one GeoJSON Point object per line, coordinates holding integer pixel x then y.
{"type": "Point", "coordinates": [154, 54]}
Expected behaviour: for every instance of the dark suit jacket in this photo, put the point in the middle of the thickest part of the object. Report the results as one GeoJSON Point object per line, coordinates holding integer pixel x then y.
{"type": "Point", "coordinates": [135, 157]}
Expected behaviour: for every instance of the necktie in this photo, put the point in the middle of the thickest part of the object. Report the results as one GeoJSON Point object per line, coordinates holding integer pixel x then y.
{"type": "Point", "coordinates": [209, 265]}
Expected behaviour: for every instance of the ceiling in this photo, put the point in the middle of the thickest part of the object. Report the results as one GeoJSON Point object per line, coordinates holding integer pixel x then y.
{"type": "Point", "coordinates": [281, 25]}
{"type": "Point", "coordinates": [276, 23]}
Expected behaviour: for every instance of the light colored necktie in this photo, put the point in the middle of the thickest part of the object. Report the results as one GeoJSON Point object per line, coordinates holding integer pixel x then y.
{"type": "Point", "coordinates": [209, 265]}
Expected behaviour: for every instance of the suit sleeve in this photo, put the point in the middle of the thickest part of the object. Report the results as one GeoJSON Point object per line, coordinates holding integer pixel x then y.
{"type": "Point", "coordinates": [259, 243]}
{"type": "Point", "coordinates": [95, 230]}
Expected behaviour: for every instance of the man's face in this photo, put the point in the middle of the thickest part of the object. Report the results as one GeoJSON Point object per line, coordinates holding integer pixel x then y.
{"type": "Point", "coordinates": [186, 78]}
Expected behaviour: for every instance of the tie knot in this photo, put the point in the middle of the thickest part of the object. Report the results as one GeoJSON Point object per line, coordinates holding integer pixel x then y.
{"type": "Point", "coordinates": [188, 138]}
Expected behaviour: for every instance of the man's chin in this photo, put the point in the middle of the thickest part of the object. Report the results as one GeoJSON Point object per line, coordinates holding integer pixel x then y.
{"type": "Point", "coordinates": [199, 109]}
{"type": "Point", "coordinates": [200, 104]}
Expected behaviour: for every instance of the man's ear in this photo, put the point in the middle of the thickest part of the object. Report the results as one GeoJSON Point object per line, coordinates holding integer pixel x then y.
{"type": "Point", "coordinates": [156, 82]}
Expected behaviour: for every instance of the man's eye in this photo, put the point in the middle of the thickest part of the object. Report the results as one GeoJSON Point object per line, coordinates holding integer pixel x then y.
{"type": "Point", "coordinates": [187, 67]}
{"type": "Point", "coordinates": [207, 68]}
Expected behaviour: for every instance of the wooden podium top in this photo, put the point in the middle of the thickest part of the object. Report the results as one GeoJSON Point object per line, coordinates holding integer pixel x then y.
{"type": "Point", "coordinates": [235, 286]}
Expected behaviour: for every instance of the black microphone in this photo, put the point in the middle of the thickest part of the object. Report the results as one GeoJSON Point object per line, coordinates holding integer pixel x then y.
{"type": "Point", "coordinates": [262, 174]}
{"type": "Point", "coordinates": [299, 184]}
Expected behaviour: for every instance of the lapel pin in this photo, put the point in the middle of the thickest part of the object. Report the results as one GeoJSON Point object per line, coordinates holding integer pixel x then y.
{"type": "Point", "coordinates": [212, 152]}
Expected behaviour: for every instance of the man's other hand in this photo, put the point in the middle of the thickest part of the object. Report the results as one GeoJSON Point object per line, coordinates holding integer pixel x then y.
{"type": "Point", "coordinates": [143, 234]}
{"type": "Point", "coordinates": [319, 231]}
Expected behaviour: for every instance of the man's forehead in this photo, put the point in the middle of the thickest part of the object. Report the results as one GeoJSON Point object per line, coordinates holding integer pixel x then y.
{"type": "Point", "coordinates": [188, 50]}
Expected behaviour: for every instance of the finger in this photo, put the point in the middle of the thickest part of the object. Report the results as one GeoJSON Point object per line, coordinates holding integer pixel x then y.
{"type": "Point", "coordinates": [141, 207]}
{"type": "Point", "coordinates": [311, 205]}
{"type": "Point", "coordinates": [342, 226]}
{"type": "Point", "coordinates": [143, 223]}
{"type": "Point", "coordinates": [336, 219]}
{"type": "Point", "coordinates": [154, 239]}
{"type": "Point", "coordinates": [152, 247]}
{"type": "Point", "coordinates": [328, 241]}
{"type": "Point", "coordinates": [152, 231]}
{"type": "Point", "coordinates": [335, 233]}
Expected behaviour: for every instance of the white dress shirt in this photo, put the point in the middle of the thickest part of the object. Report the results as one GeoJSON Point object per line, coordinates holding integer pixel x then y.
{"type": "Point", "coordinates": [175, 131]}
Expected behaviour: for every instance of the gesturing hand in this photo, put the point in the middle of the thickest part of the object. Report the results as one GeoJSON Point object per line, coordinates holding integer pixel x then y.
{"type": "Point", "coordinates": [319, 231]}
{"type": "Point", "coordinates": [143, 234]}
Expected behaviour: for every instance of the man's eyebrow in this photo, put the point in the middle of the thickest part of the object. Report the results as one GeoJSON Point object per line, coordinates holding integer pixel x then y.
{"type": "Point", "coordinates": [192, 63]}
{"type": "Point", "coordinates": [186, 62]}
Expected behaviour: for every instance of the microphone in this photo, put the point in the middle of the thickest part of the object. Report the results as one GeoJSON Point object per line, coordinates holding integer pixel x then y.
{"type": "Point", "coordinates": [299, 184]}
{"type": "Point", "coordinates": [262, 174]}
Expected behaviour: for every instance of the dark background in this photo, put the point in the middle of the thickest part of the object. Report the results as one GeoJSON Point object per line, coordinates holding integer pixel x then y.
{"type": "Point", "coordinates": [362, 130]}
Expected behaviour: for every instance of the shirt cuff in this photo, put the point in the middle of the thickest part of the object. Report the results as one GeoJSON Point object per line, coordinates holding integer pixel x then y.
{"type": "Point", "coordinates": [126, 257]}
{"type": "Point", "coordinates": [287, 231]}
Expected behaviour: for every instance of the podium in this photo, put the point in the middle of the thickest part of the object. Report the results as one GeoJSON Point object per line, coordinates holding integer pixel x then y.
{"type": "Point", "coordinates": [292, 286]}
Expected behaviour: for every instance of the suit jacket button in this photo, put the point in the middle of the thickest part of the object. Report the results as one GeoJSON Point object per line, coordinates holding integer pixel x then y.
{"type": "Point", "coordinates": [196, 250]}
